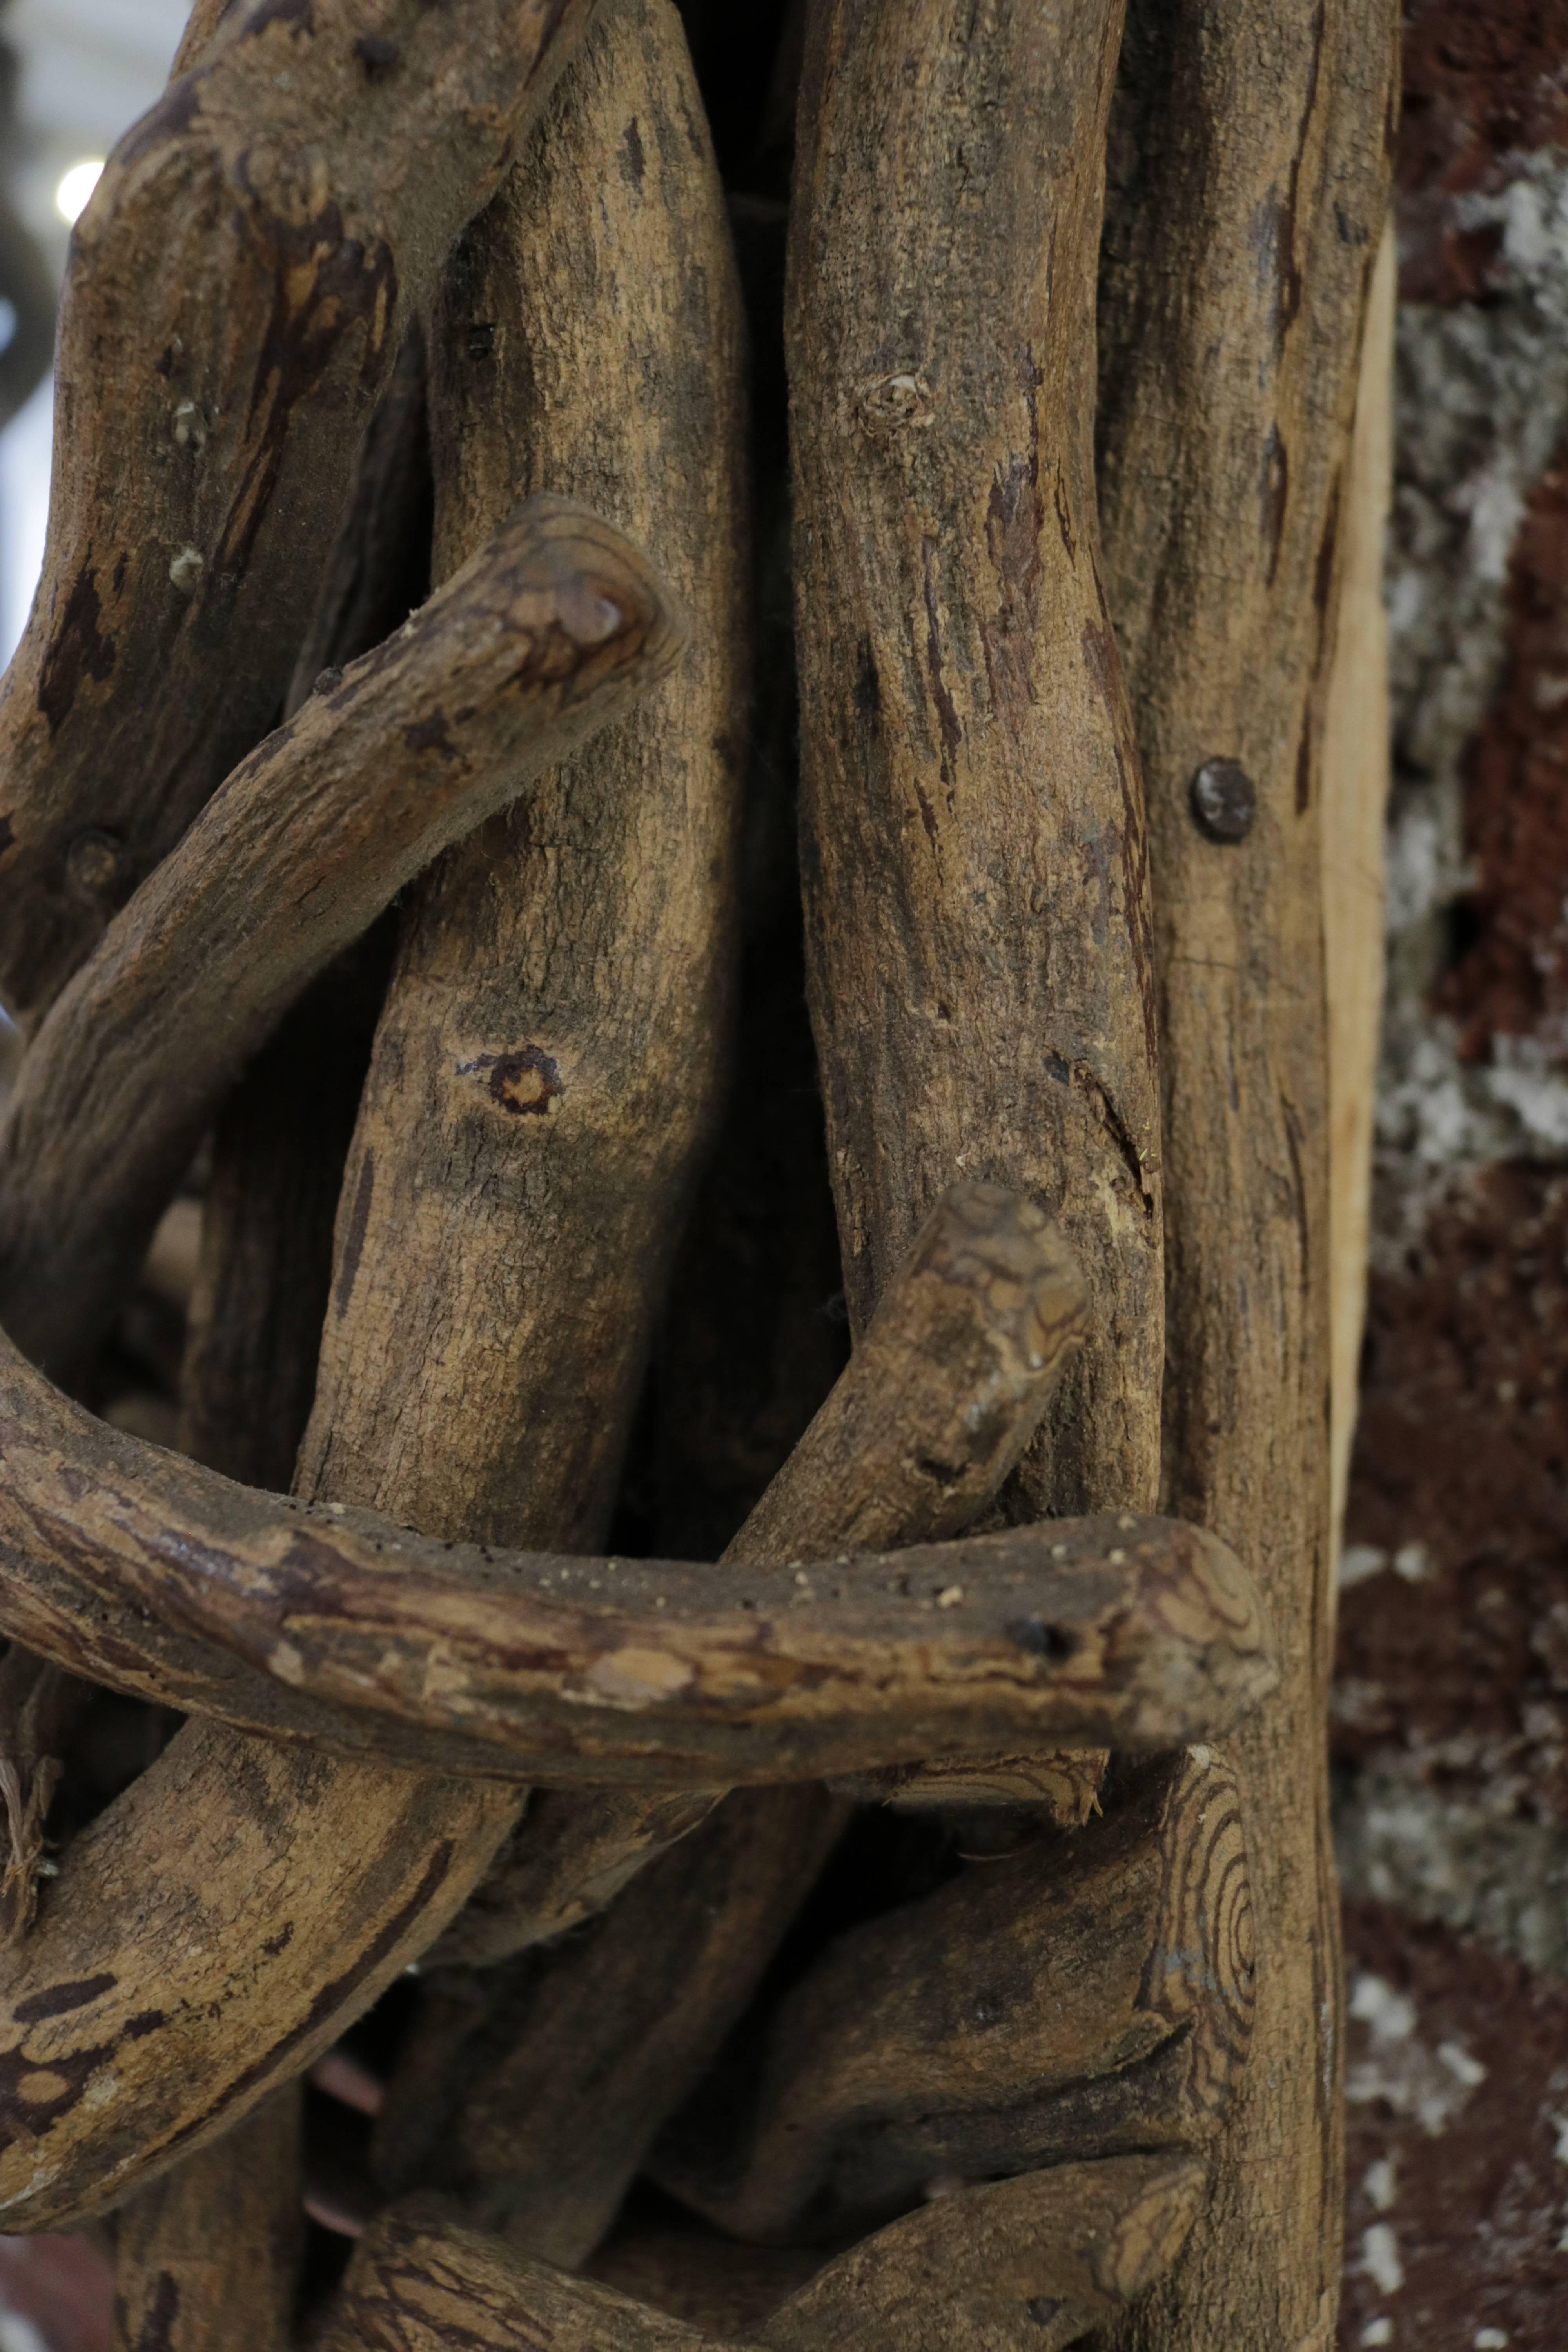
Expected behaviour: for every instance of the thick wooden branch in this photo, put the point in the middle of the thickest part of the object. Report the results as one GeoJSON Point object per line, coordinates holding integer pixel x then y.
{"type": "Point", "coordinates": [531, 2093]}
{"type": "Point", "coordinates": [974, 857]}
{"type": "Point", "coordinates": [1085, 1995]}
{"type": "Point", "coordinates": [1250, 161]}
{"type": "Point", "coordinates": [552, 628]}
{"type": "Point", "coordinates": [236, 292]}
{"type": "Point", "coordinates": [208, 2255]}
{"type": "Point", "coordinates": [1028, 2265]}
{"type": "Point", "coordinates": [150, 1573]}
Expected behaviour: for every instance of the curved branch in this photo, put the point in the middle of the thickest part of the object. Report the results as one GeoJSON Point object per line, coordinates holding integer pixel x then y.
{"type": "Point", "coordinates": [236, 290]}
{"type": "Point", "coordinates": [554, 627]}
{"type": "Point", "coordinates": [153, 1575]}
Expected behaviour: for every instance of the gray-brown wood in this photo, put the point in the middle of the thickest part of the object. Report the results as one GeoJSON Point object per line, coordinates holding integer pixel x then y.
{"type": "Point", "coordinates": [1250, 166]}
{"type": "Point", "coordinates": [206, 2259]}
{"type": "Point", "coordinates": [151, 1574]}
{"type": "Point", "coordinates": [1028, 2265]}
{"type": "Point", "coordinates": [1090, 1993]}
{"type": "Point", "coordinates": [554, 626]}
{"type": "Point", "coordinates": [532, 2092]}
{"type": "Point", "coordinates": [39, 1705]}
{"type": "Point", "coordinates": [279, 1148]}
{"type": "Point", "coordinates": [237, 292]}
{"type": "Point", "coordinates": [208, 1938]}
{"type": "Point", "coordinates": [555, 1018]}
{"type": "Point", "coordinates": [971, 816]}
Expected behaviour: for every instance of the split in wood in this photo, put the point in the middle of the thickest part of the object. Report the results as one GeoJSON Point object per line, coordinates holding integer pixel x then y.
{"type": "Point", "coordinates": [236, 292]}
{"type": "Point", "coordinates": [1026, 2266]}
{"type": "Point", "coordinates": [553, 628]}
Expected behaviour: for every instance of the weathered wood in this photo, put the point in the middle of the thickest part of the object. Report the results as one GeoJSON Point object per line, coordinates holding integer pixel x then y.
{"type": "Point", "coordinates": [1357, 758]}
{"type": "Point", "coordinates": [236, 292]}
{"type": "Point", "coordinates": [1028, 2265]}
{"type": "Point", "coordinates": [532, 2092]}
{"type": "Point", "coordinates": [978, 1322]}
{"type": "Point", "coordinates": [1250, 170]}
{"type": "Point", "coordinates": [557, 1011]}
{"type": "Point", "coordinates": [280, 1146]}
{"type": "Point", "coordinates": [568, 1858]}
{"type": "Point", "coordinates": [1087, 1994]}
{"type": "Point", "coordinates": [151, 1574]}
{"type": "Point", "coordinates": [553, 628]}
{"type": "Point", "coordinates": [208, 2256]}
{"type": "Point", "coordinates": [208, 1935]}
{"type": "Point", "coordinates": [973, 830]}
{"type": "Point", "coordinates": [39, 1705]}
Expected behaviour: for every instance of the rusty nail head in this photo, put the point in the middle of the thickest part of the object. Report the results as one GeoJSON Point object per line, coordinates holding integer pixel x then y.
{"type": "Point", "coordinates": [1224, 800]}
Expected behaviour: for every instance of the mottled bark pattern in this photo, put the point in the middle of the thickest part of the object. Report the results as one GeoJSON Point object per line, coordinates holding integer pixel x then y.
{"type": "Point", "coordinates": [237, 287]}
{"type": "Point", "coordinates": [1250, 172]}
{"type": "Point", "coordinates": [978, 918]}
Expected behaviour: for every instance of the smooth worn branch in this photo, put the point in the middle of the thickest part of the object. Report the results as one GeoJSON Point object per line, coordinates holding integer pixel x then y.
{"type": "Point", "coordinates": [552, 628]}
{"type": "Point", "coordinates": [156, 1576]}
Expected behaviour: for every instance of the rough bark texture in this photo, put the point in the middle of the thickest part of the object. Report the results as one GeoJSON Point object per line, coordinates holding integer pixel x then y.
{"type": "Point", "coordinates": [554, 626]}
{"type": "Point", "coordinates": [1250, 171]}
{"type": "Point", "coordinates": [557, 1015]}
{"type": "Point", "coordinates": [1020, 2267]}
{"type": "Point", "coordinates": [977, 920]}
{"type": "Point", "coordinates": [236, 293]}
{"type": "Point", "coordinates": [533, 2093]}
{"type": "Point", "coordinates": [207, 2257]}
{"type": "Point", "coordinates": [153, 1575]}
{"type": "Point", "coordinates": [1083, 1996]}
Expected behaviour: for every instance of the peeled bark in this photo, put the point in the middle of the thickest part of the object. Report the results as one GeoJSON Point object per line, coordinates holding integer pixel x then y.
{"type": "Point", "coordinates": [1251, 169]}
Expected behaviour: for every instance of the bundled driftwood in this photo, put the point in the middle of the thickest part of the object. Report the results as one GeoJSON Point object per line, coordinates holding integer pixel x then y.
{"type": "Point", "coordinates": [911, 1928]}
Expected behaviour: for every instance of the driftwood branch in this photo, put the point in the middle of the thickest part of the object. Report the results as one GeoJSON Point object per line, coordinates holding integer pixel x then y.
{"type": "Point", "coordinates": [237, 288]}
{"type": "Point", "coordinates": [1227, 382]}
{"type": "Point", "coordinates": [153, 1575]}
{"type": "Point", "coordinates": [207, 2256]}
{"type": "Point", "coordinates": [1078, 1998]}
{"type": "Point", "coordinates": [552, 628]}
{"type": "Point", "coordinates": [1025, 2266]}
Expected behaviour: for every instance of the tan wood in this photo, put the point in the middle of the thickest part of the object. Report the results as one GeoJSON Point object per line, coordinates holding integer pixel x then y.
{"type": "Point", "coordinates": [1357, 754]}
{"type": "Point", "coordinates": [553, 628]}
{"type": "Point", "coordinates": [151, 1574]}
{"type": "Point", "coordinates": [38, 1705]}
{"type": "Point", "coordinates": [1249, 175]}
{"type": "Point", "coordinates": [235, 295]}
{"type": "Point", "coordinates": [1026, 2266]}
{"type": "Point", "coordinates": [1084, 1995]}
{"type": "Point", "coordinates": [973, 858]}
{"type": "Point", "coordinates": [205, 2260]}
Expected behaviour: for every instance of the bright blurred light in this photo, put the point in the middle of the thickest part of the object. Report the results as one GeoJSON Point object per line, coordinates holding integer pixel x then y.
{"type": "Point", "coordinates": [76, 186]}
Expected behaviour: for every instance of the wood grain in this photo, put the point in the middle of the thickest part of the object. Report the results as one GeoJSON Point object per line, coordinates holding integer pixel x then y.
{"type": "Point", "coordinates": [973, 857]}
{"type": "Point", "coordinates": [1082, 1996]}
{"type": "Point", "coordinates": [209, 2255]}
{"type": "Point", "coordinates": [153, 1575]}
{"type": "Point", "coordinates": [553, 628]}
{"type": "Point", "coordinates": [235, 295]}
{"type": "Point", "coordinates": [1249, 173]}
{"type": "Point", "coordinates": [1357, 758]}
